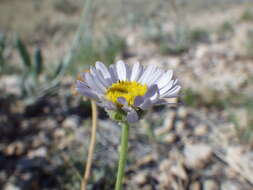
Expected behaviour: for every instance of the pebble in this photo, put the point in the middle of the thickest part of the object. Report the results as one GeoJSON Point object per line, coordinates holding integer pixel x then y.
{"type": "Point", "coordinates": [170, 138]}
{"type": "Point", "coordinates": [10, 186]}
{"type": "Point", "coordinates": [200, 130]}
{"type": "Point", "coordinates": [179, 171]}
{"type": "Point", "coordinates": [40, 152]}
{"type": "Point", "coordinates": [210, 185]}
{"type": "Point", "coordinates": [195, 186]}
{"type": "Point", "coordinates": [70, 122]}
{"type": "Point", "coordinates": [180, 126]}
{"type": "Point", "coordinates": [197, 155]}
{"type": "Point", "coordinates": [228, 185]}
{"type": "Point", "coordinates": [140, 178]}
{"type": "Point", "coordinates": [182, 112]}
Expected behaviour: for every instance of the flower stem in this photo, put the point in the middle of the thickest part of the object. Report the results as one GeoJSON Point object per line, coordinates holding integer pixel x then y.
{"type": "Point", "coordinates": [91, 146]}
{"type": "Point", "coordinates": [123, 155]}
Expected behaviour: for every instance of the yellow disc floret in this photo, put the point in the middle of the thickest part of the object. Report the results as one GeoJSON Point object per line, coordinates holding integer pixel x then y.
{"type": "Point", "coordinates": [127, 89]}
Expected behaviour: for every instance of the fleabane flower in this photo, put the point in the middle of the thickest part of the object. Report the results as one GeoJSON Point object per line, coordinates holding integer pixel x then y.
{"type": "Point", "coordinates": [129, 90]}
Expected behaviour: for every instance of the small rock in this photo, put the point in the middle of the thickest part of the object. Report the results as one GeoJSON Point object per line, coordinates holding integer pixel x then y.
{"type": "Point", "coordinates": [16, 148]}
{"type": "Point", "coordinates": [179, 171]}
{"type": "Point", "coordinates": [70, 122]}
{"type": "Point", "coordinates": [165, 180]}
{"type": "Point", "coordinates": [170, 138]}
{"type": "Point", "coordinates": [180, 126]}
{"type": "Point", "coordinates": [59, 133]}
{"type": "Point", "coordinates": [161, 131]}
{"type": "Point", "coordinates": [182, 112]}
{"type": "Point", "coordinates": [195, 186]}
{"type": "Point", "coordinates": [10, 186]}
{"type": "Point", "coordinates": [140, 178]}
{"type": "Point", "coordinates": [229, 185]}
{"type": "Point", "coordinates": [146, 160]}
{"type": "Point", "coordinates": [200, 130]}
{"type": "Point", "coordinates": [197, 155]}
{"type": "Point", "coordinates": [40, 152]}
{"type": "Point", "coordinates": [48, 124]}
{"type": "Point", "coordinates": [147, 187]}
{"type": "Point", "coordinates": [11, 85]}
{"type": "Point", "coordinates": [164, 165]}
{"type": "Point", "coordinates": [210, 185]}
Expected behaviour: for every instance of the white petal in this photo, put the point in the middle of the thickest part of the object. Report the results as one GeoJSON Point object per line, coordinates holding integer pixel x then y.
{"type": "Point", "coordinates": [93, 83]}
{"type": "Point", "coordinates": [136, 70]}
{"type": "Point", "coordinates": [155, 76]}
{"type": "Point", "coordinates": [113, 73]}
{"type": "Point", "coordinates": [166, 77]}
{"type": "Point", "coordinates": [166, 88]}
{"type": "Point", "coordinates": [121, 70]}
{"type": "Point", "coordinates": [146, 74]}
{"type": "Point", "coordinates": [101, 67]}
{"type": "Point", "coordinates": [173, 92]}
{"type": "Point", "coordinates": [97, 74]}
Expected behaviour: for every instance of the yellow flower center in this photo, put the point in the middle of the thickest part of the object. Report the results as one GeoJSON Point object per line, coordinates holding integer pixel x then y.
{"type": "Point", "coordinates": [128, 90]}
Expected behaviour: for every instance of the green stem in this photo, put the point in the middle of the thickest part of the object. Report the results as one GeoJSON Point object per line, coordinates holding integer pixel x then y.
{"type": "Point", "coordinates": [123, 155]}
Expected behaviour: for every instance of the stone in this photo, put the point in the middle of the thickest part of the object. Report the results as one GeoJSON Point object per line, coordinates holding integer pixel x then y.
{"type": "Point", "coordinates": [164, 166]}
{"type": "Point", "coordinates": [182, 112]}
{"type": "Point", "coordinates": [140, 178]}
{"type": "Point", "coordinates": [161, 131]}
{"type": "Point", "coordinates": [147, 187]}
{"type": "Point", "coordinates": [210, 185]}
{"type": "Point", "coordinates": [197, 155]}
{"type": "Point", "coordinates": [200, 130]}
{"type": "Point", "coordinates": [10, 186]}
{"type": "Point", "coordinates": [230, 185]}
{"type": "Point", "coordinates": [170, 138]}
{"type": "Point", "coordinates": [195, 186]}
{"type": "Point", "coordinates": [10, 84]}
{"type": "Point", "coordinates": [40, 152]}
{"type": "Point", "coordinates": [70, 122]}
{"type": "Point", "coordinates": [180, 126]}
{"type": "Point", "coordinates": [179, 171]}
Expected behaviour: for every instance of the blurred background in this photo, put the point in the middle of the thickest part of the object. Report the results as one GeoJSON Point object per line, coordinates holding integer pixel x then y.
{"type": "Point", "coordinates": [203, 144]}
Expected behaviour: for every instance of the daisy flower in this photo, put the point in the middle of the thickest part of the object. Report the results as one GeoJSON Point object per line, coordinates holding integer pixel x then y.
{"type": "Point", "coordinates": [126, 89]}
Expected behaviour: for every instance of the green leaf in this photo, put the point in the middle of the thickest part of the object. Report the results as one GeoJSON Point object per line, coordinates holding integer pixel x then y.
{"type": "Point", "coordinates": [23, 53]}
{"type": "Point", "coordinates": [58, 70]}
{"type": "Point", "coordinates": [38, 61]}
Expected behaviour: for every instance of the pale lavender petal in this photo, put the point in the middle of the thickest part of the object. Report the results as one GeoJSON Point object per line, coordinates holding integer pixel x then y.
{"type": "Point", "coordinates": [98, 75]}
{"type": "Point", "coordinates": [127, 108]}
{"type": "Point", "coordinates": [136, 71]}
{"type": "Point", "coordinates": [146, 74]}
{"type": "Point", "coordinates": [92, 84]}
{"type": "Point", "coordinates": [87, 92]}
{"type": "Point", "coordinates": [167, 87]}
{"type": "Point", "coordinates": [121, 70]}
{"type": "Point", "coordinates": [112, 70]}
{"type": "Point", "coordinates": [151, 91]}
{"type": "Point", "coordinates": [165, 79]}
{"type": "Point", "coordinates": [122, 100]}
{"type": "Point", "coordinates": [155, 77]}
{"type": "Point", "coordinates": [146, 104]}
{"type": "Point", "coordinates": [101, 67]}
{"type": "Point", "coordinates": [172, 92]}
{"type": "Point", "coordinates": [132, 116]}
{"type": "Point", "coordinates": [138, 100]}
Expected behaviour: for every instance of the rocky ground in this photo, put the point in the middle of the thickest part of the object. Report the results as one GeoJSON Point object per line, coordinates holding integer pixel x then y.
{"type": "Point", "coordinates": [195, 146]}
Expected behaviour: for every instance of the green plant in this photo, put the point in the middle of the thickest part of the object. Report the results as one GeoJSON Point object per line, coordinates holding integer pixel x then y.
{"type": "Point", "coordinates": [199, 35]}
{"type": "Point", "coordinates": [176, 42]}
{"type": "Point", "coordinates": [247, 15]}
{"type": "Point", "coordinates": [92, 50]}
{"type": "Point", "coordinates": [2, 49]}
{"type": "Point", "coordinates": [36, 82]}
{"type": "Point", "coordinates": [249, 43]}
